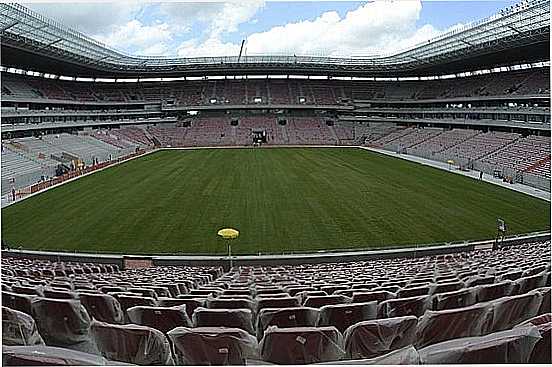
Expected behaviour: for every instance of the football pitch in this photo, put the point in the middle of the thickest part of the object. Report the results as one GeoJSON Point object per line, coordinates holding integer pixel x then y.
{"type": "Point", "coordinates": [281, 200]}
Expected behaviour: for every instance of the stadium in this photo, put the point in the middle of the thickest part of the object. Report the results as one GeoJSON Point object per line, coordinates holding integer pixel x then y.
{"type": "Point", "coordinates": [277, 209]}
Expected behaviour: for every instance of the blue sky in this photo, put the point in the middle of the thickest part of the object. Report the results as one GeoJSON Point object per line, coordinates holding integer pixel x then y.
{"type": "Point", "coordinates": [335, 28]}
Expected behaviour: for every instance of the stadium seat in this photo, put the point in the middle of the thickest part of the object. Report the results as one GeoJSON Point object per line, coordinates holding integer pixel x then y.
{"type": "Point", "coordinates": [369, 339]}
{"type": "Point", "coordinates": [489, 292]}
{"type": "Point", "coordinates": [511, 347]}
{"type": "Point", "coordinates": [214, 346]}
{"type": "Point", "coordinates": [529, 283]}
{"type": "Point", "coordinates": [40, 355]}
{"type": "Point", "coordinates": [56, 293]}
{"type": "Point", "coordinates": [301, 345]}
{"type": "Point", "coordinates": [319, 301]}
{"type": "Point", "coordinates": [381, 296]}
{"type": "Point", "coordinates": [102, 307]}
{"type": "Point", "coordinates": [229, 303]}
{"type": "Point", "coordinates": [542, 354]}
{"type": "Point", "coordinates": [134, 344]}
{"type": "Point", "coordinates": [261, 303]}
{"type": "Point", "coordinates": [61, 322]}
{"type": "Point", "coordinates": [232, 318]}
{"type": "Point", "coordinates": [286, 318]}
{"type": "Point", "coordinates": [546, 300]}
{"type": "Point", "coordinates": [415, 306]}
{"type": "Point", "coordinates": [19, 302]}
{"type": "Point", "coordinates": [414, 291]}
{"type": "Point", "coordinates": [437, 326]}
{"type": "Point", "coordinates": [343, 316]}
{"type": "Point", "coordinates": [160, 318]}
{"type": "Point", "coordinates": [455, 299]}
{"type": "Point", "coordinates": [512, 310]}
{"type": "Point", "coordinates": [19, 328]}
{"type": "Point", "coordinates": [404, 356]}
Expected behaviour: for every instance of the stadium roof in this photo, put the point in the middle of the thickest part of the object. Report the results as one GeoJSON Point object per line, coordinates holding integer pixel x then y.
{"type": "Point", "coordinates": [516, 35]}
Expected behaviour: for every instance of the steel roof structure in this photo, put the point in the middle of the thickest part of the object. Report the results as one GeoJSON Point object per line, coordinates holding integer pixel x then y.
{"type": "Point", "coordinates": [518, 34]}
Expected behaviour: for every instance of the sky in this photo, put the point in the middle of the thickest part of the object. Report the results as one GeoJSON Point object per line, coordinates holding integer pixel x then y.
{"type": "Point", "coordinates": [306, 28]}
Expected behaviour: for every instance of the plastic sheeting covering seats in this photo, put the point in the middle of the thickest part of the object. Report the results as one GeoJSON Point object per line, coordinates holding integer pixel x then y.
{"type": "Point", "coordinates": [404, 356]}
{"type": "Point", "coordinates": [546, 300]}
{"type": "Point", "coordinates": [131, 343]}
{"type": "Point", "coordinates": [381, 296]}
{"type": "Point", "coordinates": [301, 345]}
{"type": "Point", "coordinates": [437, 326]}
{"type": "Point", "coordinates": [414, 306]}
{"type": "Point", "coordinates": [319, 301]}
{"type": "Point", "coordinates": [19, 328]}
{"type": "Point", "coordinates": [279, 302]}
{"type": "Point", "coordinates": [446, 287]}
{"type": "Point", "coordinates": [160, 318]}
{"type": "Point", "coordinates": [343, 316]}
{"type": "Point", "coordinates": [455, 299]}
{"type": "Point", "coordinates": [240, 318]}
{"type": "Point", "coordinates": [286, 318]}
{"type": "Point", "coordinates": [102, 307]}
{"type": "Point", "coordinates": [127, 301]}
{"type": "Point", "coordinates": [19, 302]}
{"type": "Point", "coordinates": [510, 311]}
{"type": "Point", "coordinates": [57, 293]}
{"type": "Point", "coordinates": [369, 339]}
{"type": "Point", "coordinates": [61, 322]}
{"type": "Point", "coordinates": [413, 291]}
{"type": "Point", "coordinates": [511, 346]}
{"type": "Point", "coordinates": [229, 303]}
{"type": "Point", "coordinates": [489, 292]}
{"type": "Point", "coordinates": [542, 354]}
{"type": "Point", "coordinates": [529, 283]}
{"type": "Point", "coordinates": [191, 304]}
{"type": "Point", "coordinates": [30, 291]}
{"type": "Point", "coordinates": [40, 355]}
{"type": "Point", "coordinates": [212, 346]}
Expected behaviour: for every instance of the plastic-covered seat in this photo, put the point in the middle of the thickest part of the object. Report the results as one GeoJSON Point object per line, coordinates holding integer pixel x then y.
{"type": "Point", "coordinates": [479, 280]}
{"type": "Point", "coordinates": [213, 346]}
{"type": "Point", "coordinates": [437, 326]}
{"type": "Point", "coordinates": [542, 354]}
{"type": "Point", "coordinates": [145, 292]}
{"type": "Point", "coordinates": [191, 304]}
{"type": "Point", "coordinates": [404, 356]}
{"type": "Point", "coordinates": [160, 318]}
{"type": "Point", "coordinates": [455, 299]}
{"type": "Point", "coordinates": [19, 328]}
{"type": "Point", "coordinates": [261, 303]}
{"type": "Point", "coordinates": [343, 316]}
{"type": "Point", "coordinates": [57, 293]}
{"type": "Point", "coordinates": [130, 343]}
{"type": "Point", "coordinates": [546, 300]}
{"type": "Point", "coordinates": [27, 290]}
{"type": "Point", "coordinates": [511, 346]}
{"type": "Point", "coordinates": [489, 292]}
{"type": "Point", "coordinates": [61, 322]}
{"type": "Point", "coordinates": [413, 291]}
{"type": "Point", "coordinates": [127, 301]}
{"type": "Point", "coordinates": [415, 306]}
{"type": "Point", "coordinates": [286, 318]}
{"type": "Point", "coordinates": [301, 345]}
{"type": "Point", "coordinates": [512, 310]}
{"type": "Point", "coordinates": [319, 301]}
{"type": "Point", "coordinates": [102, 307]}
{"type": "Point", "coordinates": [446, 287]}
{"type": "Point", "coordinates": [41, 355]}
{"type": "Point", "coordinates": [234, 318]}
{"type": "Point", "coordinates": [529, 283]}
{"type": "Point", "coordinates": [372, 296]}
{"type": "Point", "coordinates": [19, 302]}
{"type": "Point", "coordinates": [369, 339]}
{"type": "Point", "coordinates": [229, 303]}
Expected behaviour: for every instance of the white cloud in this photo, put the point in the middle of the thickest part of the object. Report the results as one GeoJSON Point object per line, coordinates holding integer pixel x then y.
{"type": "Point", "coordinates": [211, 47]}
{"type": "Point", "coordinates": [145, 39]}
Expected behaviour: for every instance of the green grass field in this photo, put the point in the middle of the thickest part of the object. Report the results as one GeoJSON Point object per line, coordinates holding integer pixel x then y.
{"type": "Point", "coordinates": [284, 199]}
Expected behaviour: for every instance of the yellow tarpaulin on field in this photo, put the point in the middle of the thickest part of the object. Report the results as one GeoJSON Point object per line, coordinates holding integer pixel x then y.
{"type": "Point", "coordinates": [228, 233]}
{"type": "Point", "coordinates": [450, 161]}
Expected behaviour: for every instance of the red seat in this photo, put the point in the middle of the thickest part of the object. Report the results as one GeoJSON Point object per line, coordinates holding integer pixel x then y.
{"type": "Point", "coordinates": [19, 302]}
{"type": "Point", "coordinates": [413, 292]}
{"type": "Point", "coordinates": [233, 318]}
{"type": "Point", "coordinates": [191, 304]}
{"type": "Point", "coordinates": [57, 293]}
{"type": "Point", "coordinates": [489, 292]}
{"type": "Point", "coordinates": [343, 316]}
{"type": "Point", "coordinates": [380, 296]}
{"type": "Point", "coordinates": [529, 283]}
{"type": "Point", "coordinates": [286, 318]}
{"type": "Point", "coordinates": [412, 306]}
{"type": "Point", "coordinates": [437, 326]}
{"type": "Point", "coordinates": [19, 328]}
{"type": "Point", "coordinates": [369, 339]}
{"type": "Point", "coordinates": [212, 346]}
{"type": "Point", "coordinates": [160, 318]}
{"type": "Point", "coordinates": [512, 310]}
{"type": "Point", "coordinates": [61, 322]}
{"type": "Point", "coordinates": [446, 287]}
{"type": "Point", "coordinates": [132, 344]}
{"type": "Point", "coordinates": [276, 303]}
{"type": "Point", "coordinates": [511, 346]}
{"type": "Point", "coordinates": [542, 354]}
{"type": "Point", "coordinates": [455, 299]}
{"type": "Point", "coordinates": [319, 301]}
{"type": "Point", "coordinates": [229, 303]}
{"type": "Point", "coordinates": [301, 345]}
{"type": "Point", "coordinates": [102, 307]}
